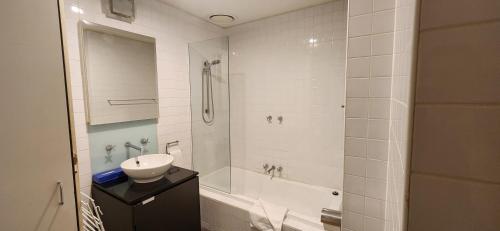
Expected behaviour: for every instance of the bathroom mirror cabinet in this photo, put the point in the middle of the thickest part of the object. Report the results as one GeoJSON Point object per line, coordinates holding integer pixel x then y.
{"type": "Point", "coordinates": [119, 74]}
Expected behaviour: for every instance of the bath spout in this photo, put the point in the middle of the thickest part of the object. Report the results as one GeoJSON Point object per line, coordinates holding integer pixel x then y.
{"type": "Point", "coordinates": [271, 171]}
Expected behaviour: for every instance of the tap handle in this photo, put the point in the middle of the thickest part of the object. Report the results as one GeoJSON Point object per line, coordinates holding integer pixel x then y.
{"type": "Point", "coordinates": [280, 119]}
{"type": "Point", "coordinates": [109, 147]}
{"type": "Point", "coordinates": [144, 141]}
{"type": "Point", "coordinates": [269, 119]}
{"type": "Point", "coordinates": [265, 166]}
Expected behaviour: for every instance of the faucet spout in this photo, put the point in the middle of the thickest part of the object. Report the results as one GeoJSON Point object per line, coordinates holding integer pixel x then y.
{"type": "Point", "coordinates": [271, 171]}
{"type": "Point", "coordinates": [140, 149]}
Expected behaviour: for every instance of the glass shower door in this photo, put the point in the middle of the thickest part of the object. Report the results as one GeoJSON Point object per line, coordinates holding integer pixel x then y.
{"type": "Point", "coordinates": [208, 73]}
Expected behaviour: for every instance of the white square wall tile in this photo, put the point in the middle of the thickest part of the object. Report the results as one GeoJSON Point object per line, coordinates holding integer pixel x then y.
{"type": "Point", "coordinates": [85, 179]}
{"type": "Point", "coordinates": [360, 25]}
{"type": "Point", "coordinates": [375, 188]}
{"type": "Point", "coordinates": [355, 147]}
{"type": "Point", "coordinates": [379, 5]}
{"type": "Point", "coordinates": [357, 7]}
{"type": "Point", "coordinates": [359, 47]}
{"type": "Point", "coordinates": [358, 67]}
{"type": "Point", "coordinates": [382, 44]}
{"type": "Point", "coordinates": [378, 129]}
{"type": "Point", "coordinates": [380, 87]}
{"type": "Point", "coordinates": [377, 149]}
{"type": "Point", "coordinates": [352, 221]}
{"type": "Point", "coordinates": [376, 169]}
{"type": "Point", "coordinates": [373, 224]}
{"type": "Point", "coordinates": [355, 166]}
{"type": "Point", "coordinates": [354, 184]}
{"type": "Point", "coordinates": [383, 22]}
{"type": "Point", "coordinates": [379, 108]}
{"type": "Point", "coordinates": [374, 208]}
{"type": "Point", "coordinates": [381, 66]}
{"type": "Point", "coordinates": [356, 127]}
{"type": "Point", "coordinates": [353, 202]}
{"type": "Point", "coordinates": [356, 108]}
{"type": "Point", "coordinates": [358, 87]}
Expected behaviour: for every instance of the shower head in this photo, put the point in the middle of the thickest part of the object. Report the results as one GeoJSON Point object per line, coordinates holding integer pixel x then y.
{"type": "Point", "coordinates": [208, 64]}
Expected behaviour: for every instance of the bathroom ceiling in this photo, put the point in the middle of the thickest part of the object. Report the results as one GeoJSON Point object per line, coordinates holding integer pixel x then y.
{"type": "Point", "coordinates": [242, 10]}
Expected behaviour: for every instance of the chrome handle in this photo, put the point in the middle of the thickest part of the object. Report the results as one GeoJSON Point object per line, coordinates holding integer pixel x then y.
{"type": "Point", "coordinates": [269, 119]}
{"type": "Point", "coordinates": [109, 147]}
{"type": "Point", "coordinates": [265, 166]}
{"type": "Point", "coordinates": [61, 192]}
{"type": "Point", "coordinates": [280, 119]}
{"type": "Point", "coordinates": [144, 141]}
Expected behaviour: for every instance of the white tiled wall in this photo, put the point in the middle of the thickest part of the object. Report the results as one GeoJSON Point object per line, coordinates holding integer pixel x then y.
{"type": "Point", "coordinates": [455, 180]}
{"type": "Point", "coordinates": [290, 65]}
{"type": "Point", "coordinates": [369, 78]}
{"type": "Point", "coordinates": [406, 28]}
{"type": "Point", "coordinates": [173, 30]}
{"type": "Point", "coordinates": [378, 67]}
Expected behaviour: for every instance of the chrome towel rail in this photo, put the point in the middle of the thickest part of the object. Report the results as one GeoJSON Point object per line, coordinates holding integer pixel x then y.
{"type": "Point", "coordinates": [170, 144]}
{"type": "Point", "coordinates": [116, 102]}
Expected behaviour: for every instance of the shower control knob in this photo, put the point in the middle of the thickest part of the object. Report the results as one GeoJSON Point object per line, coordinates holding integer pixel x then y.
{"type": "Point", "coordinates": [109, 147]}
{"type": "Point", "coordinates": [144, 141]}
{"type": "Point", "coordinates": [269, 119]}
{"type": "Point", "coordinates": [279, 169]}
{"type": "Point", "coordinates": [265, 166]}
{"type": "Point", "coordinates": [280, 119]}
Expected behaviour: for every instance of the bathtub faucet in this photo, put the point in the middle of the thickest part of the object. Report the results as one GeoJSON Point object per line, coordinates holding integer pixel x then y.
{"type": "Point", "coordinates": [268, 171]}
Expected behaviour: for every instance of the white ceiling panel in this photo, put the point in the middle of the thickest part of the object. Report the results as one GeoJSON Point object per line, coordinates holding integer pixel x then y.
{"type": "Point", "coordinates": [242, 10]}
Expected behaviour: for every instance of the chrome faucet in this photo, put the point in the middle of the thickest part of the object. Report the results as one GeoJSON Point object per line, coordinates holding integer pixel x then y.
{"type": "Point", "coordinates": [268, 171]}
{"type": "Point", "coordinates": [271, 171]}
{"type": "Point", "coordinates": [140, 149]}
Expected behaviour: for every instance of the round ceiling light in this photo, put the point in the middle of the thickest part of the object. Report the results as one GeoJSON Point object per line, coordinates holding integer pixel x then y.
{"type": "Point", "coordinates": [221, 18]}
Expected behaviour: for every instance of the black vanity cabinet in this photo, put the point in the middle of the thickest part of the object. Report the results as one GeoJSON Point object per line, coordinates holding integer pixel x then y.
{"type": "Point", "coordinates": [170, 204]}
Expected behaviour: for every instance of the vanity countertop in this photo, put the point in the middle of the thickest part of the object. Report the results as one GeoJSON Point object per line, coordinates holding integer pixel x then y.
{"type": "Point", "coordinates": [132, 193]}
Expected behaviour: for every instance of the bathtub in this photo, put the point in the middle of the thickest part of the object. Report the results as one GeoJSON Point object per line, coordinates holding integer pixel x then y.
{"type": "Point", "coordinates": [221, 211]}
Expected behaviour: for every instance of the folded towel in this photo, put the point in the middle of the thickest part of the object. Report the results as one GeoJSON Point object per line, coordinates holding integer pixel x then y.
{"type": "Point", "coordinates": [265, 216]}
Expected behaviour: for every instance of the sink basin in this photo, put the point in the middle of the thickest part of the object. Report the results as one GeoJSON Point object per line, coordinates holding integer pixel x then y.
{"type": "Point", "coordinates": [151, 167]}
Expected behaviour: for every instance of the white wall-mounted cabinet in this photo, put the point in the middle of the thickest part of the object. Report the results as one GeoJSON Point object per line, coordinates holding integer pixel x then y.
{"type": "Point", "coordinates": [119, 70]}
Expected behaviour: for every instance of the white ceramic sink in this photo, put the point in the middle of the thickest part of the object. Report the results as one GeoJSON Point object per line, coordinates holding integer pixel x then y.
{"type": "Point", "coordinates": [151, 167]}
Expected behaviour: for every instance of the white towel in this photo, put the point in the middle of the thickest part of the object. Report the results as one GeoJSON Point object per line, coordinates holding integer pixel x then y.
{"type": "Point", "coordinates": [265, 216]}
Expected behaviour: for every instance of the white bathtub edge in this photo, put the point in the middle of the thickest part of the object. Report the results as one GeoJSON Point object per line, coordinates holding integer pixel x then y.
{"type": "Point", "coordinates": [293, 219]}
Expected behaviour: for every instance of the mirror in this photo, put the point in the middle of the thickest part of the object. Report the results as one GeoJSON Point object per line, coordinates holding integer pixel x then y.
{"type": "Point", "coordinates": [119, 74]}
